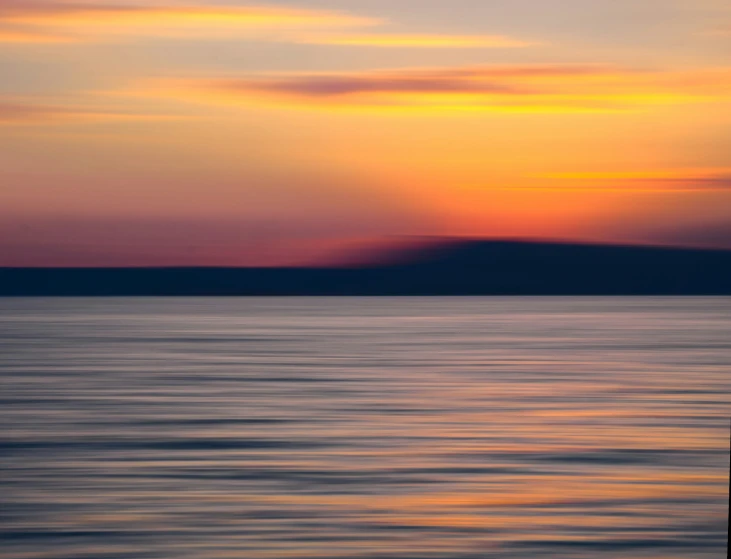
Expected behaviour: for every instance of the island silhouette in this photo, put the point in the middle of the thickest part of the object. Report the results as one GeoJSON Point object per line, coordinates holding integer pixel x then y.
{"type": "Point", "coordinates": [440, 267]}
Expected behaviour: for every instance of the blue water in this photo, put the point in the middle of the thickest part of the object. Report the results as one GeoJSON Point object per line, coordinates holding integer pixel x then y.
{"type": "Point", "coordinates": [379, 428]}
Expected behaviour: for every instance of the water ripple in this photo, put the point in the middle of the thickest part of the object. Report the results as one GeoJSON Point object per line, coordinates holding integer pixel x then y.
{"type": "Point", "coordinates": [364, 428]}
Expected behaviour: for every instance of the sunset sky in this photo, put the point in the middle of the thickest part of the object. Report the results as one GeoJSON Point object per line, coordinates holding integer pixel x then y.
{"type": "Point", "coordinates": [225, 132]}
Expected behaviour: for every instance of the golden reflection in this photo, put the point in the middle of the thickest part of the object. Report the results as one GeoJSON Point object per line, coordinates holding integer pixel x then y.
{"type": "Point", "coordinates": [524, 494]}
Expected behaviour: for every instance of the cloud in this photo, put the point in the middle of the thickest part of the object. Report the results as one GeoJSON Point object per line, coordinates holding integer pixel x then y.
{"type": "Point", "coordinates": [412, 40]}
{"type": "Point", "coordinates": [718, 31]}
{"type": "Point", "coordinates": [44, 21]}
{"type": "Point", "coordinates": [715, 233]}
{"type": "Point", "coordinates": [94, 20]}
{"type": "Point", "coordinates": [516, 88]}
{"type": "Point", "coordinates": [659, 180]}
{"type": "Point", "coordinates": [21, 34]}
{"type": "Point", "coordinates": [711, 235]}
{"type": "Point", "coordinates": [19, 113]}
{"type": "Point", "coordinates": [15, 112]}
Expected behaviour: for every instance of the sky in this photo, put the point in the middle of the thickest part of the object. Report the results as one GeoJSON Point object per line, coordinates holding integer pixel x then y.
{"type": "Point", "coordinates": [202, 132]}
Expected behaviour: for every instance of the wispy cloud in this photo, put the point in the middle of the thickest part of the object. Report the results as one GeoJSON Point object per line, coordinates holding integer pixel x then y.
{"type": "Point", "coordinates": [518, 88]}
{"type": "Point", "coordinates": [656, 180]}
{"type": "Point", "coordinates": [710, 235]}
{"type": "Point", "coordinates": [25, 34]}
{"type": "Point", "coordinates": [18, 113]}
{"type": "Point", "coordinates": [27, 21]}
{"type": "Point", "coordinates": [718, 31]}
{"type": "Point", "coordinates": [414, 40]}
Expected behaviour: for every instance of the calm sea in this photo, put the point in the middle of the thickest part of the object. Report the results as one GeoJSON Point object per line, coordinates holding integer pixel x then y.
{"type": "Point", "coordinates": [378, 428]}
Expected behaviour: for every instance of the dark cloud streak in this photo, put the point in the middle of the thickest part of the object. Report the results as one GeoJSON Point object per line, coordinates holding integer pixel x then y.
{"type": "Point", "coordinates": [448, 80]}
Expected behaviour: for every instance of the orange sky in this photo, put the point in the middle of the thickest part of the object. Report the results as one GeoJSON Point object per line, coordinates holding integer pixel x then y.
{"type": "Point", "coordinates": [202, 132]}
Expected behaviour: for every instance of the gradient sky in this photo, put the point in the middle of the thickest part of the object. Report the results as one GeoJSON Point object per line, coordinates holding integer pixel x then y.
{"type": "Point", "coordinates": [231, 133]}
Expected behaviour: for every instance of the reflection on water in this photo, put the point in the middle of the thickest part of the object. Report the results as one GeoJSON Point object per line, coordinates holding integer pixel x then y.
{"type": "Point", "coordinates": [389, 428]}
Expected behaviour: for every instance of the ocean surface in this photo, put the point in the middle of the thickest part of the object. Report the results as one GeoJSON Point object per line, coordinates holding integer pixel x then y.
{"type": "Point", "coordinates": [364, 428]}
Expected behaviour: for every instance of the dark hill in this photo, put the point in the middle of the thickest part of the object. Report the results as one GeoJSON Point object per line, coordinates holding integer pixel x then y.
{"type": "Point", "coordinates": [444, 268]}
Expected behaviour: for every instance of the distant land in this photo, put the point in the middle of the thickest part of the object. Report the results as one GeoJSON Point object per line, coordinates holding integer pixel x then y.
{"type": "Point", "coordinates": [443, 267]}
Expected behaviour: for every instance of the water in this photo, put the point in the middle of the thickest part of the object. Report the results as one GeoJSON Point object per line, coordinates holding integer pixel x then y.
{"type": "Point", "coordinates": [389, 428]}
